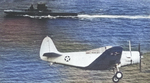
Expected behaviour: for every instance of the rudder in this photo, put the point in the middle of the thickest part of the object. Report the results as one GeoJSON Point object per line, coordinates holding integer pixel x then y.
{"type": "Point", "coordinates": [47, 46]}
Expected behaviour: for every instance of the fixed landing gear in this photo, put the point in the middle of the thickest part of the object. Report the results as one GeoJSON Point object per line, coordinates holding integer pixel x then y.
{"type": "Point", "coordinates": [118, 75]}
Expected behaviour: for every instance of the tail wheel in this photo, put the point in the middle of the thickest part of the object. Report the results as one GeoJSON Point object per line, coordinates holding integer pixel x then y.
{"type": "Point", "coordinates": [119, 75]}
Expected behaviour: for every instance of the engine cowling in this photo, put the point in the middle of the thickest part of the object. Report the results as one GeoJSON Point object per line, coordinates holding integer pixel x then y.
{"type": "Point", "coordinates": [130, 57]}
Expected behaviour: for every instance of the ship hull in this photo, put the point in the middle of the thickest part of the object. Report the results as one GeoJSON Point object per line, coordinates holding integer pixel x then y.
{"type": "Point", "coordinates": [36, 13]}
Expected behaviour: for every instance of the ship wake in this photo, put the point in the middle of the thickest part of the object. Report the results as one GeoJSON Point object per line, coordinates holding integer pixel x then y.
{"type": "Point", "coordinates": [86, 16]}
{"type": "Point", "coordinates": [116, 16]}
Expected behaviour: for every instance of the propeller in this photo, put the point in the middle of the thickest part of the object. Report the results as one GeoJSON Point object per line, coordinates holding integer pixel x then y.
{"type": "Point", "coordinates": [139, 49]}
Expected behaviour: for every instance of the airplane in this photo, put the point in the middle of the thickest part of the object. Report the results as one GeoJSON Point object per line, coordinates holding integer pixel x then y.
{"type": "Point", "coordinates": [104, 58]}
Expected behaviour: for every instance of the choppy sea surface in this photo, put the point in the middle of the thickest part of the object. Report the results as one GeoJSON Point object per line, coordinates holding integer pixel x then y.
{"type": "Point", "coordinates": [99, 23]}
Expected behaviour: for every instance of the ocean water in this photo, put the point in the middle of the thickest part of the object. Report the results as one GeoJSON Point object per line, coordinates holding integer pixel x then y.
{"type": "Point", "coordinates": [99, 23]}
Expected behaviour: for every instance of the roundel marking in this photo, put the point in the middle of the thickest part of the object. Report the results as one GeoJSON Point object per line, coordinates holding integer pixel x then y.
{"type": "Point", "coordinates": [67, 58]}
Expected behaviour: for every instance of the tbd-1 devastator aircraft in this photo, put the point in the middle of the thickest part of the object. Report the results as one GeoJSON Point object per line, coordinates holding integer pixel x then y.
{"type": "Point", "coordinates": [97, 59]}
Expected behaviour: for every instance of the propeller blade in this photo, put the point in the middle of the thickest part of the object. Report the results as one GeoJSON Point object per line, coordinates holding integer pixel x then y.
{"type": "Point", "coordinates": [139, 49]}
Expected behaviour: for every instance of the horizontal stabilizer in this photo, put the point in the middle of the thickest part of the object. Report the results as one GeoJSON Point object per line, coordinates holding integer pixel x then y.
{"type": "Point", "coordinates": [51, 55]}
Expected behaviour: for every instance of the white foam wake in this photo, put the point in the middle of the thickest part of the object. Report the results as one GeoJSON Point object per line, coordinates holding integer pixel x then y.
{"type": "Point", "coordinates": [86, 16]}
{"type": "Point", "coordinates": [50, 17]}
{"type": "Point", "coordinates": [116, 16]}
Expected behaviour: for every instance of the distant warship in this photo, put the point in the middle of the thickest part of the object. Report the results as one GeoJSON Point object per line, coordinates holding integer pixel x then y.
{"type": "Point", "coordinates": [41, 10]}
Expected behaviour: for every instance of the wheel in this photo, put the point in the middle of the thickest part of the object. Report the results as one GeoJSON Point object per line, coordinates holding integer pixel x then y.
{"type": "Point", "coordinates": [119, 75]}
{"type": "Point", "coordinates": [115, 79]}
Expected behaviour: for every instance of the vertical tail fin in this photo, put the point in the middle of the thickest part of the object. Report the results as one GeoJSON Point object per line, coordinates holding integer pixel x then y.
{"type": "Point", "coordinates": [47, 46]}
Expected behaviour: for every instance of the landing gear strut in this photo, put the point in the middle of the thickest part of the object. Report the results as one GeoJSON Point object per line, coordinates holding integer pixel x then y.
{"type": "Point", "coordinates": [118, 75]}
